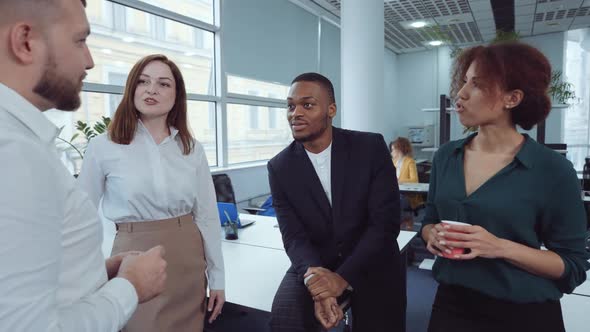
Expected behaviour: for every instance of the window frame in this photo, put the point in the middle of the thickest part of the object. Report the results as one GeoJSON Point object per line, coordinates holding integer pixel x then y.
{"type": "Point", "coordinates": [161, 14]}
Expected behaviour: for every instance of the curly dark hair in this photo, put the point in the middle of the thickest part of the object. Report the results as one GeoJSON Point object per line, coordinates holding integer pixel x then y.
{"type": "Point", "coordinates": [510, 66]}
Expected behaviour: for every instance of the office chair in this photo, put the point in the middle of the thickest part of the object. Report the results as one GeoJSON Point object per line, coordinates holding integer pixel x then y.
{"type": "Point", "coordinates": [561, 148]}
{"type": "Point", "coordinates": [225, 191]}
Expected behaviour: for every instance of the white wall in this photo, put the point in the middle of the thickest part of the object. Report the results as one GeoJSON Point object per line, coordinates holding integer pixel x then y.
{"type": "Point", "coordinates": [269, 40]}
{"type": "Point", "coordinates": [417, 87]}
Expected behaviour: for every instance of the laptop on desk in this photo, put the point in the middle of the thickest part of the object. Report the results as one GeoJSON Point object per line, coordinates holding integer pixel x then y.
{"type": "Point", "coordinates": [245, 222]}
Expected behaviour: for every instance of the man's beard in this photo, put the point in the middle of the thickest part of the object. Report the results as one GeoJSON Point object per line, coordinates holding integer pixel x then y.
{"type": "Point", "coordinates": [57, 89]}
{"type": "Point", "coordinates": [314, 135]}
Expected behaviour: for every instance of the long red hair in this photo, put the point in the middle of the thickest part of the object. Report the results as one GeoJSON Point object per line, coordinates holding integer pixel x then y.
{"type": "Point", "coordinates": [122, 128]}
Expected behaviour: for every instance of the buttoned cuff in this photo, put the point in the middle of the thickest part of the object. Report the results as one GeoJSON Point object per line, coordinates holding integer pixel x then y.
{"type": "Point", "coordinates": [216, 279]}
{"type": "Point", "coordinates": [125, 295]}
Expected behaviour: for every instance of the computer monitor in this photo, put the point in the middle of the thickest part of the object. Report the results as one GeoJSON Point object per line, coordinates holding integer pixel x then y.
{"type": "Point", "coordinates": [421, 135]}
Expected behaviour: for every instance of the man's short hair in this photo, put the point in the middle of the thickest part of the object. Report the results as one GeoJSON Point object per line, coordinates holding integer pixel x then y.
{"type": "Point", "coordinates": [11, 10]}
{"type": "Point", "coordinates": [43, 2]}
{"type": "Point", "coordinates": [322, 80]}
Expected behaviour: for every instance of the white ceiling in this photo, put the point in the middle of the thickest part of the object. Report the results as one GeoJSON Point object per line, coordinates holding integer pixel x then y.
{"type": "Point", "coordinates": [469, 21]}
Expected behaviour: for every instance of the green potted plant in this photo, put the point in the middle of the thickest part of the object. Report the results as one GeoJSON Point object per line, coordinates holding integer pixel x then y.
{"type": "Point", "coordinates": [560, 91]}
{"type": "Point", "coordinates": [88, 131]}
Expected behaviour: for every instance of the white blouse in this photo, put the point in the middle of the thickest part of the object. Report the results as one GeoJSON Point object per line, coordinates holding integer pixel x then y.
{"type": "Point", "coordinates": [148, 181]}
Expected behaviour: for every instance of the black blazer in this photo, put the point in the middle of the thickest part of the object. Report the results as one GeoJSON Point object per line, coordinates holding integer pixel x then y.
{"type": "Point", "coordinates": [354, 237]}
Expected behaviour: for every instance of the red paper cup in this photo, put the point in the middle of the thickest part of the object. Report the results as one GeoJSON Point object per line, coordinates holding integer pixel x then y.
{"type": "Point", "coordinates": [456, 251]}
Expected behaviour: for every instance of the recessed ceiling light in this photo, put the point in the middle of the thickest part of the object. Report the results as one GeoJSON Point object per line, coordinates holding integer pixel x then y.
{"type": "Point", "coordinates": [552, 24]}
{"type": "Point", "coordinates": [418, 24]}
{"type": "Point", "coordinates": [106, 51]}
{"type": "Point", "coordinates": [435, 43]}
{"type": "Point", "coordinates": [189, 53]}
{"type": "Point", "coordinates": [186, 65]}
{"type": "Point", "coordinates": [128, 39]}
{"type": "Point", "coordinates": [454, 20]}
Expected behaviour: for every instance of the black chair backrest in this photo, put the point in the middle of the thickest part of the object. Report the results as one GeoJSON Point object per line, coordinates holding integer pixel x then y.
{"type": "Point", "coordinates": [562, 147]}
{"type": "Point", "coordinates": [423, 168]}
{"type": "Point", "coordinates": [223, 188]}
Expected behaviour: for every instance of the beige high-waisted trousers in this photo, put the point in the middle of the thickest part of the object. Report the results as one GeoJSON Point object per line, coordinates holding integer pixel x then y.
{"type": "Point", "coordinates": [181, 307]}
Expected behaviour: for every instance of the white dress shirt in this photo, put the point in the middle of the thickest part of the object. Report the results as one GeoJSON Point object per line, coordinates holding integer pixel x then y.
{"type": "Point", "coordinates": [52, 271]}
{"type": "Point", "coordinates": [147, 181]}
{"type": "Point", "coordinates": [322, 163]}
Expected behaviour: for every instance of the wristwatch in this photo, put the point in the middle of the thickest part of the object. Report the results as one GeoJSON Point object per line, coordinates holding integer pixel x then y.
{"type": "Point", "coordinates": [345, 299]}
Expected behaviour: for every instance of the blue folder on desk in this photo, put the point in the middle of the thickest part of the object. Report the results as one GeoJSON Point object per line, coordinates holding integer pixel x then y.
{"type": "Point", "coordinates": [230, 210]}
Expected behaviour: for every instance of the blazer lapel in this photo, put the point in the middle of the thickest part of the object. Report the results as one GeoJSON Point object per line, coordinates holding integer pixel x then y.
{"type": "Point", "coordinates": [340, 160]}
{"type": "Point", "coordinates": [312, 181]}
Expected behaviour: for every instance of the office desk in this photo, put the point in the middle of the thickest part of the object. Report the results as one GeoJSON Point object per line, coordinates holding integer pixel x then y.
{"type": "Point", "coordinates": [256, 262]}
{"type": "Point", "coordinates": [584, 289]}
{"type": "Point", "coordinates": [253, 274]}
{"type": "Point", "coordinates": [413, 188]}
{"type": "Point", "coordinates": [265, 233]}
{"type": "Point", "coordinates": [262, 233]}
{"type": "Point", "coordinates": [575, 313]}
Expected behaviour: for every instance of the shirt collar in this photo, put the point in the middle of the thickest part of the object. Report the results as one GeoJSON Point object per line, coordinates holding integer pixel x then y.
{"type": "Point", "coordinates": [525, 155]}
{"type": "Point", "coordinates": [143, 130]}
{"type": "Point", "coordinates": [29, 115]}
{"type": "Point", "coordinates": [326, 152]}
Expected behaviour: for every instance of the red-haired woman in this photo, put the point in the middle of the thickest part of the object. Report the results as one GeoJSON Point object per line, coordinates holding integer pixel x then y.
{"type": "Point", "coordinates": [517, 195]}
{"type": "Point", "coordinates": [154, 182]}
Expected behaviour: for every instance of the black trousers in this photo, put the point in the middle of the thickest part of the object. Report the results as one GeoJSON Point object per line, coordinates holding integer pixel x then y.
{"type": "Point", "coordinates": [459, 309]}
{"type": "Point", "coordinates": [374, 308]}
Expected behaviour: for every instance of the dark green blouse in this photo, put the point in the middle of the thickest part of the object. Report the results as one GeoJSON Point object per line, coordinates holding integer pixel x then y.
{"type": "Point", "coordinates": [535, 200]}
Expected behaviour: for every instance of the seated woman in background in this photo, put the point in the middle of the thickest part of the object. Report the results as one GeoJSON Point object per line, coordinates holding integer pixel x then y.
{"type": "Point", "coordinates": [515, 193]}
{"type": "Point", "coordinates": [406, 172]}
{"type": "Point", "coordinates": [154, 182]}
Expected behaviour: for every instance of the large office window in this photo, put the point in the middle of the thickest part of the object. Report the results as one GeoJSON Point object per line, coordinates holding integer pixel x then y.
{"type": "Point", "coordinates": [250, 87]}
{"type": "Point", "coordinates": [118, 50]}
{"type": "Point", "coordinates": [201, 10]}
{"type": "Point", "coordinates": [122, 35]}
{"type": "Point", "coordinates": [94, 106]}
{"type": "Point", "coordinates": [256, 119]}
{"type": "Point", "coordinates": [246, 144]}
{"type": "Point", "coordinates": [576, 131]}
{"type": "Point", "coordinates": [199, 120]}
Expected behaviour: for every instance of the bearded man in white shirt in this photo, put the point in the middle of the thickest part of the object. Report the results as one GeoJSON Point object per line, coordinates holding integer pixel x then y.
{"type": "Point", "coordinates": [53, 275]}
